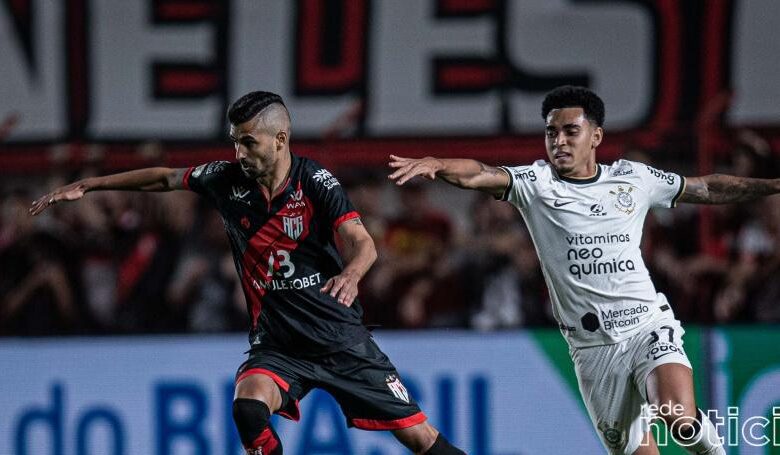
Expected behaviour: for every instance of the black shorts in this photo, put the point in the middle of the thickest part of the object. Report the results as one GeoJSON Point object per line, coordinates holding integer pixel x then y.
{"type": "Point", "coordinates": [362, 380]}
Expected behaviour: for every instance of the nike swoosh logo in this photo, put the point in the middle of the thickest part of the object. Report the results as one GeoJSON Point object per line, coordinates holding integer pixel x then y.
{"type": "Point", "coordinates": [659, 356]}
{"type": "Point", "coordinates": [561, 204]}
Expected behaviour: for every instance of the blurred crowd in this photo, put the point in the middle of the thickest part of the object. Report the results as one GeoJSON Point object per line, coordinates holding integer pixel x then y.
{"type": "Point", "coordinates": [124, 262]}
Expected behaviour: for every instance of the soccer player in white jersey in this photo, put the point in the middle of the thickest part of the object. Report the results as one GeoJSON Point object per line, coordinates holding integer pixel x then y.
{"type": "Point", "coordinates": [586, 221]}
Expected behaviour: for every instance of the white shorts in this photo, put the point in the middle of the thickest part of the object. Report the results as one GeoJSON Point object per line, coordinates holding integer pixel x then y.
{"type": "Point", "coordinates": [612, 381]}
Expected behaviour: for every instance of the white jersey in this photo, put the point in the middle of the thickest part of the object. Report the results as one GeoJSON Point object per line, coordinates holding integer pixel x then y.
{"type": "Point", "coordinates": [587, 235]}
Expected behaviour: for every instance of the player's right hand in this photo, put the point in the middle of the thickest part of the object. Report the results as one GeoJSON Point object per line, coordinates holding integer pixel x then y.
{"type": "Point", "coordinates": [70, 192]}
{"type": "Point", "coordinates": [406, 168]}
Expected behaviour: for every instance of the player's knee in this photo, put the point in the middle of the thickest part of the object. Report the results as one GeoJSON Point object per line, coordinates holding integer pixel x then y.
{"type": "Point", "coordinates": [686, 429]}
{"type": "Point", "coordinates": [251, 418]}
{"type": "Point", "coordinates": [681, 418]}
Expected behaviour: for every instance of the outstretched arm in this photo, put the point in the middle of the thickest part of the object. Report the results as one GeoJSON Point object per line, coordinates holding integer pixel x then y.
{"type": "Point", "coordinates": [725, 189]}
{"type": "Point", "coordinates": [359, 253]}
{"type": "Point", "coordinates": [463, 173]}
{"type": "Point", "coordinates": [149, 179]}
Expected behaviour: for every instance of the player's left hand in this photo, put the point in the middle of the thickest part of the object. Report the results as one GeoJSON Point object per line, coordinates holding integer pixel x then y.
{"type": "Point", "coordinates": [343, 287]}
{"type": "Point", "coordinates": [71, 192]}
{"type": "Point", "coordinates": [406, 168]}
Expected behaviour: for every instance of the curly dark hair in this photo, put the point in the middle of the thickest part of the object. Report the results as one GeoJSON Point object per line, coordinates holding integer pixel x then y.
{"type": "Point", "coordinates": [573, 96]}
{"type": "Point", "coordinates": [246, 107]}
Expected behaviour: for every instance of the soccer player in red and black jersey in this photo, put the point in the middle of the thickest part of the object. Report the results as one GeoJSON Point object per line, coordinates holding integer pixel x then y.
{"type": "Point", "coordinates": [280, 213]}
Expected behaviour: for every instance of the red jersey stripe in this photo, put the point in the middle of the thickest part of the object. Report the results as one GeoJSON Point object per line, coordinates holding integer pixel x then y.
{"type": "Point", "coordinates": [295, 413]}
{"type": "Point", "coordinates": [268, 239]}
{"type": "Point", "coordinates": [265, 441]}
{"type": "Point", "coordinates": [406, 422]}
{"type": "Point", "coordinates": [345, 217]}
{"type": "Point", "coordinates": [185, 182]}
{"type": "Point", "coordinates": [277, 379]}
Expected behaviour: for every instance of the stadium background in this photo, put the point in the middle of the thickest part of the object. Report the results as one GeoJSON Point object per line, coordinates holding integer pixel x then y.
{"type": "Point", "coordinates": [121, 327]}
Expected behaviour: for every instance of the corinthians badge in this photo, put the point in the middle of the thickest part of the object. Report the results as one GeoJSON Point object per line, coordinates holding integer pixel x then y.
{"type": "Point", "coordinates": [613, 437]}
{"type": "Point", "coordinates": [624, 201]}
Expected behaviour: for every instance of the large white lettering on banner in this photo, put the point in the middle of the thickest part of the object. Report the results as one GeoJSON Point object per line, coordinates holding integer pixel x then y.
{"type": "Point", "coordinates": [755, 63]}
{"type": "Point", "coordinates": [32, 85]}
{"type": "Point", "coordinates": [612, 43]}
{"type": "Point", "coordinates": [124, 47]}
{"type": "Point", "coordinates": [118, 70]}
{"type": "Point", "coordinates": [262, 60]}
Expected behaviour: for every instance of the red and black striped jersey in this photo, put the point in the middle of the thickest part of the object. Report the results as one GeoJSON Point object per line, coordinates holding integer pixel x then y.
{"type": "Point", "coordinates": [284, 252]}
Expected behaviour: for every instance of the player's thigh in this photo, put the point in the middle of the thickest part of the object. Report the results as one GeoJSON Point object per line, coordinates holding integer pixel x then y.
{"type": "Point", "coordinates": [611, 397]}
{"type": "Point", "coordinates": [672, 384]}
{"type": "Point", "coordinates": [274, 378]}
{"type": "Point", "coordinates": [663, 371]}
{"type": "Point", "coordinates": [369, 389]}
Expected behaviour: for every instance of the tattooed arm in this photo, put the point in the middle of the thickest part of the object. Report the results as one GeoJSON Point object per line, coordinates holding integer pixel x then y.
{"type": "Point", "coordinates": [359, 253]}
{"type": "Point", "coordinates": [462, 173]}
{"type": "Point", "coordinates": [725, 189]}
{"type": "Point", "coordinates": [148, 179]}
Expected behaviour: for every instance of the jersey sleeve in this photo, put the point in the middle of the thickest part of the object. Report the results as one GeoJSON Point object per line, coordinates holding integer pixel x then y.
{"type": "Point", "coordinates": [330, 198]}
{"type": "Point", "coordinates": [664, 188]}
{"type": "Point", "coordinates": [204, 179]}
{"type": "Point", "coordinates": [522, 186]}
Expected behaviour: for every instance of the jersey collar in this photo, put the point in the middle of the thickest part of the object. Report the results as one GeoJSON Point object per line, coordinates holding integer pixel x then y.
{"type": "Point", "coordinates": [583, 181]}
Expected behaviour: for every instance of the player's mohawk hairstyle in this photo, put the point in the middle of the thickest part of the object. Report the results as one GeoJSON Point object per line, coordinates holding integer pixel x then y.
{"type": "Point", "coordinates": [249, 105]}
{"type": "Point", "coordinates": [572, 96]}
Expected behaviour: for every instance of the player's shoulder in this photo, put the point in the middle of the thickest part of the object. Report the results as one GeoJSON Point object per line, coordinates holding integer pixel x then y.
{"type": "Point", "coordinates": [625, 168]}
{"type": "Point", "coordinates": [307, 166]}
{"type": "Point", "coordinates": [621, 168]}
{"type": "Point", "coordinates": [315, 174]}
{"type": "Point", "coordinates": [214, 168]}
{"type": "Point", "coordinates": [531, 173]}
{"type": "Point", "coordinates": [215, 174]}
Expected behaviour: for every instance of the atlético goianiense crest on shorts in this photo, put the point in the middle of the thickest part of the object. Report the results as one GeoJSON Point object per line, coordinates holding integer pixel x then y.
{"type": "Point", "coordinates": [398, 389]}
